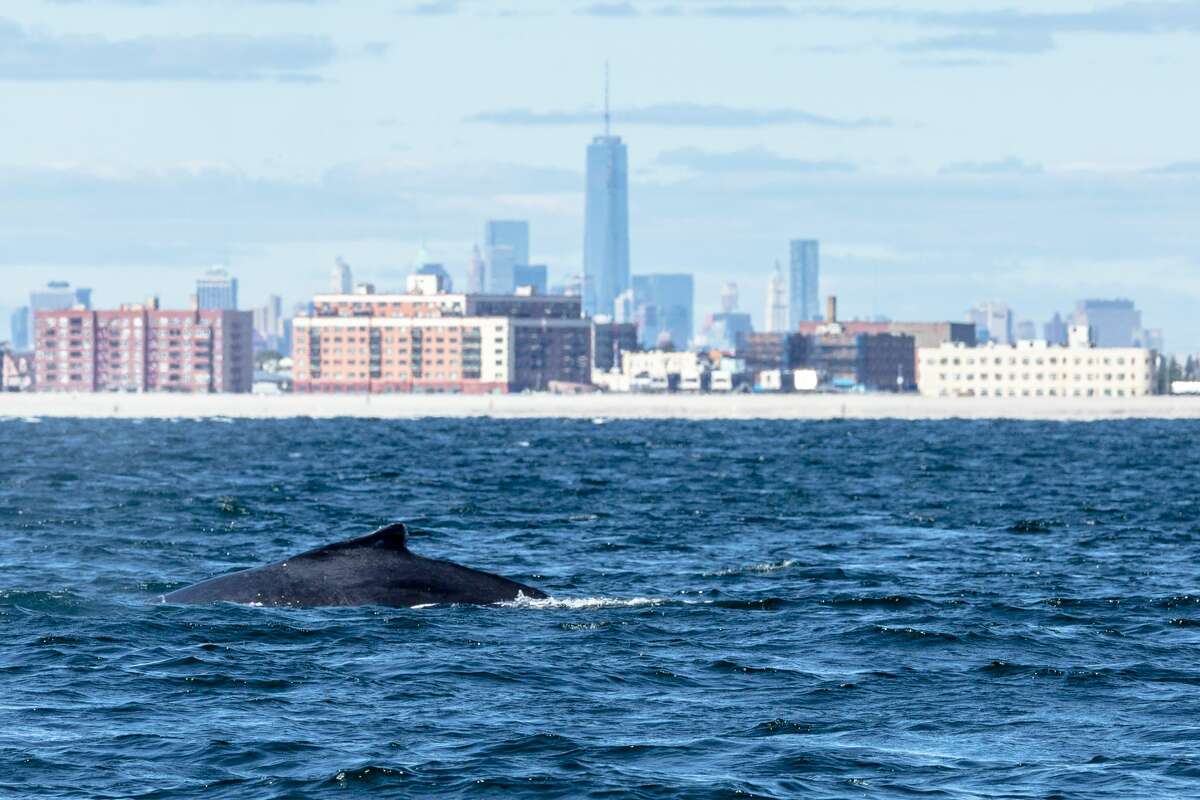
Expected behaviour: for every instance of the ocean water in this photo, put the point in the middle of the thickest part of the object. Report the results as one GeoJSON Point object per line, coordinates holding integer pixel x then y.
{"type": "Point", "coordinates": [772, 609]}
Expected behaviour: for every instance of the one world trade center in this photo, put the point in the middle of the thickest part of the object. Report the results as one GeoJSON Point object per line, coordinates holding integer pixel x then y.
{"type": "Point", "coordinates": [606, 230]}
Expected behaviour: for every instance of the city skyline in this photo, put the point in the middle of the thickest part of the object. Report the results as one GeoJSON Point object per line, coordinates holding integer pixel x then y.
{"type": "Point", "coordinates": [922, 209]}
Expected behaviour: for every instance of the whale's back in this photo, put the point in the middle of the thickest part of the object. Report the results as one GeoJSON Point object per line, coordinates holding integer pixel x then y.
{"type": "Point", "coordinates": [377, 569]}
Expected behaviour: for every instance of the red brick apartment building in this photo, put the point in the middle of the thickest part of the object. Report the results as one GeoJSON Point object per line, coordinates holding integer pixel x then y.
{"type": "Point", "coordinates": [428, 341]}
{"type": "Point", "coordinates": [143, 349]}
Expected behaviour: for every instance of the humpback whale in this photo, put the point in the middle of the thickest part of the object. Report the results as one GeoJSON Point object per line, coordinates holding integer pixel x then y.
{"type": "Point", "coordinates": [376, 569]}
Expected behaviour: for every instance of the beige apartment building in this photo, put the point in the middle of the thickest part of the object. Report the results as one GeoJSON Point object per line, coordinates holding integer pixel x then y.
{"type": "Point", "coordinates": [426, 340]}
{"type": "Point", "coordinates": [1036, 369]}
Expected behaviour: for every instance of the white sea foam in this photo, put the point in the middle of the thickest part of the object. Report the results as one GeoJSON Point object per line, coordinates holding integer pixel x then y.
{"type": "Point", "coordinates": [769, 566]}
{"type": "Point", "coordinates": [582, 603]}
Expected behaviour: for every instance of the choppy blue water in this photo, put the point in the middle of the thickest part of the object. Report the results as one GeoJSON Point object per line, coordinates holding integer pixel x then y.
{"type": "Point", "coordinates": [775, 609]}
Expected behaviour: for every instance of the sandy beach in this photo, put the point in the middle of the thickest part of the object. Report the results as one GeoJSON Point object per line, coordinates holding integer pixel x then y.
{"type": "Point", "coordinates": [606, 406]}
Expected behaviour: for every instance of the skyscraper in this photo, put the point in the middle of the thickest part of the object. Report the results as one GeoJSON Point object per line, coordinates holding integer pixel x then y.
{"type": "Point", "coordinates": [803, 276]}
{"type": "Point", "coordinates": [439, 271]}
{"type": "Point", "coordinates": [729, 297]}
{"type": "Point", "coordinates": [59, 296]}
{"type": "Point", "coordinates": [606, 227]}
{"type": "Point", "coordinates": [268, 324]}
{"type": "Point", "coordinates": [663, 307]}
{"type": "Point", "coordinates": [534, 275]}
{"type": "Point", "coordinates": [20, 328]}
{"type": "Point", "coordinates": [506, 246]}
{"type": "Point", "coordinates": [1055, 330]}
{"type": "Point", "coordinates": [216, 290]}
{"type": "Point", "coordinates": [1114, 323]}
{"type": "Point", "coordinates": [340, 280]}
{"type": "Point", "coordinates": [723, 329]}
{"type": "Point", "coordinates": [993, 323]}
{"type": "Point", "coordinates": [475, 272]}
{"type": "Point", "coordinates": [777, 310]}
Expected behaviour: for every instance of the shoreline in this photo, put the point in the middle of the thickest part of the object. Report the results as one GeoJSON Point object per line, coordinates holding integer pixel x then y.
{"type": "Point", "coordinates": [589, 406]}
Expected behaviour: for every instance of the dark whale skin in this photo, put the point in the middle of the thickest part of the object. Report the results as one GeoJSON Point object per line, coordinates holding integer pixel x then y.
{"type": "Point", "coordinates": [376, 569]}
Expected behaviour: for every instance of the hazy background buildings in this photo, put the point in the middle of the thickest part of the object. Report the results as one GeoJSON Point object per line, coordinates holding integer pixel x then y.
{"type": "Point", "coordinates": [506, 247]}
{"type": "Point", "coordinates": [217, 291]}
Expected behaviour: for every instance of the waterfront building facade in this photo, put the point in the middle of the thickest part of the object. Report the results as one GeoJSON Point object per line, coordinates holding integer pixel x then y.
{"type": "Point", "coordinates": [924, 334]}
{"type": "Point", "coordinates": [878, 362]}
{"type": "Point", "coordinates": [774, 351]}
{"type": "Point", "coordinates": [609, 340]}
{"type": "Point", "coordinates": [430, 341]}
{"type": "Point", "coordinates": [664, 370]}
{"type": "Point", "coordinates": [143, 349]}
{"type": "Point", "coordinates": [841, 357]}
{"type": "Point", "coordinates": [1036, 369]}
{"type": "Point", "coordinates": [16, 371]}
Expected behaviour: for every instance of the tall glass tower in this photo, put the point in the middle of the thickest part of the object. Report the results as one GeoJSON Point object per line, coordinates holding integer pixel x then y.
{"type": "Point", "coordinates": [606, 230]}
{"type": "Point", "coordinates": [217, 289]}
{"type": "Point", "coordinates": [506, 246]}
{"type": "Point", "coordinates": [802, 282]}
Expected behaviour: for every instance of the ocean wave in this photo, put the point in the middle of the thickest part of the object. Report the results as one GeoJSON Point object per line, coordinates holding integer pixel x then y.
{"type": "Point", "coordinates": [873, 601]}
{"type": "Point", "coordinates": [907, 632]}
{"type": "Point", "coordinates": [766, 566]}
{"type": "Point", "coordinates": [586, 603]}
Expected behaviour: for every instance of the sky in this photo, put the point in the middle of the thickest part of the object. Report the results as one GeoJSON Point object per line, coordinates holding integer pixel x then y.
{"type": "Point", "coordinates": [943, 153]}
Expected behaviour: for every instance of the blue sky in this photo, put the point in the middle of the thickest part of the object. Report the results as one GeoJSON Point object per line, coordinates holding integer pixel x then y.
{"type": "Point", "coordinates": [1032, 152]}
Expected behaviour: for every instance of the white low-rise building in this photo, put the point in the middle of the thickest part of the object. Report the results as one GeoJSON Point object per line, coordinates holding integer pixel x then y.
{"type": "Point", "coordinates": [1036, 369]}
{"type": "Point", "coordinates": [660, 363]}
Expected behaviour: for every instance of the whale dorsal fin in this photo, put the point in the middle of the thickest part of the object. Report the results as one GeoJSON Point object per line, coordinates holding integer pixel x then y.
{"type": "Point", "coordinates": [393, 536]}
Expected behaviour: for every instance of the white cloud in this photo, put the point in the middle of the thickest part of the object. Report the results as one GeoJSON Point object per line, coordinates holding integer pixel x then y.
{"type": "Point", "coordinates": [27, 55]}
